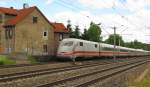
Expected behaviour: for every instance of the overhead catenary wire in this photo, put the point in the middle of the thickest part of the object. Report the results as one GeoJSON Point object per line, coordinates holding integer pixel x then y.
{"type": "Point", "coordinates": [139, 16]}
{"type": "Point", "coordinates": [67, 5]}
{"type": "Point", "coordinates": [70, 4]}
{"type": "Point", "coordinates": [75, 8]}
{"type": "Point", "coordinates": [122, 16]}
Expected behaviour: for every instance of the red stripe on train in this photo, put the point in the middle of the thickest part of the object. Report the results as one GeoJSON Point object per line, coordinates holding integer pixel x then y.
{"type": "Point", "coordinates": [92, 53]}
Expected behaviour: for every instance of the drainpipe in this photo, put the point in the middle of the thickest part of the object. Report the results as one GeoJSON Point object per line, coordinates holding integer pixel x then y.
{"type": "Point", "coordinates": [3, 19]}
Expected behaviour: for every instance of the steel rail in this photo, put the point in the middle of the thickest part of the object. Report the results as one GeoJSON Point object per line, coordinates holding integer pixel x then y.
{"type": "Point", "coordinates": [81, 76]}
{"type": "Point", "coordinates": [86, 84]}
{"type": "Point", "coordinates": [15, 76]}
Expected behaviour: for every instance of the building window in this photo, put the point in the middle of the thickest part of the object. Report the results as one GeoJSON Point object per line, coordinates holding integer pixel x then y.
{"type": "Point", "coordinates": [45, 34]}
{"type": "Point", "coordinates": [10, 33]}
{"type": "Point", "coordinates": [81, 43]}
{"type": "Point", "coordinates": [35, 19]}
{"type": "Point", "coordinates": [6, 33]}
{"type": "Point", "coordinates": [60, 37]}
{"type": "Point", "coordinates": [1, 20]}
{"type": "Point", "coordinates": [45, 48]}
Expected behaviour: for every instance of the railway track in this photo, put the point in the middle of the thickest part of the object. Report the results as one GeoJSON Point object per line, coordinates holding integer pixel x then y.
{"type": "Point", "coordinates": [90, 78]}
{"type": "Point", "coordinates": [26, 65]}
{"type": "Point", "coordinates": [30, 65]}
{"type": "Point", "coordinates": [19, 65]}
{"type": "Point", "coordinates": [38, 68]}
{"type": "Point", "coordinates": [29, 74]}
{"type": "Point", "coordinates": [43, 77]}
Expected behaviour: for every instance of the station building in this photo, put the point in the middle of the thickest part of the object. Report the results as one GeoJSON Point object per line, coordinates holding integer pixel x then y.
{"type": "Point", "coordinates": [28, 31]}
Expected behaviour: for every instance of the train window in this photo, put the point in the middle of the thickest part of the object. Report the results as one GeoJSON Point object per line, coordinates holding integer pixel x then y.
{"type": "Point", "coordinates": [70, 43]}
{"type": "Point", "coordinates": [81, 43]}
{"type": "Point", "coordinates": [108, 49]}
{"type": "Point", "coordinates": [95, 45]}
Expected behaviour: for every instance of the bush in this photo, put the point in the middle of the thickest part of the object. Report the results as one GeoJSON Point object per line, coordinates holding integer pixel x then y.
{"type": "Point", "coordinates": [32, 60]}
{"type": "Point", "coordinates": [1, 63]}
{"type": "Point", "coordinates": [4, 60]}
{"type": "Point", "coordinates": [145, 82]}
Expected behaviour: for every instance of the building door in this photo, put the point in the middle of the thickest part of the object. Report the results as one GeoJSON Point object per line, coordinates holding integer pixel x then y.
{"type": "Point", "coordinates": [45, 49]}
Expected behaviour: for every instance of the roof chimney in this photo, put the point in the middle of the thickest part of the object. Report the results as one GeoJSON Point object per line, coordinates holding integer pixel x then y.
{"type": "Point", "coordinates": [25, 5]}
{"type": "Point", "coordinates": [11, 7]}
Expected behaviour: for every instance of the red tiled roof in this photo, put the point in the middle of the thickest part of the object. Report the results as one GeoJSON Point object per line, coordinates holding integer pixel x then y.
{"type": "Point", "coordinates": [59, 27]}
{"type": "Point", "coordinates": [20, 15]}
{"type": "Point", "coordinates": [8, 11]}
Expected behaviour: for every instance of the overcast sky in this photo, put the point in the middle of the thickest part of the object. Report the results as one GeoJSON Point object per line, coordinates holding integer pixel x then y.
{"type": "Point", "coordinates": [131, 17]}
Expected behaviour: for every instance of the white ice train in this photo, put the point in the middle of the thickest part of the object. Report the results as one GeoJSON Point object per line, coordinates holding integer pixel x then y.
{"type": "Point", "coordinates": [72, 48]}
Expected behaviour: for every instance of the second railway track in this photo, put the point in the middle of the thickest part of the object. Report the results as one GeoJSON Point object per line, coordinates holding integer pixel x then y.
{"type": "Point", "coordinates": [29, 74]}
{"type": "Point", "coordinates": [62, 76]}
{"type": "Point", "coordinates": [90, 78]}
{"type": "Point", "coordinates": [33, 73]}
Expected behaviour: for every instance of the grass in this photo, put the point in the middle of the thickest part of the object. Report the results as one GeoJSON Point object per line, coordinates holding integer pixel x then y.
{"type": "Point", "coordinates": [145, 82]}
{"type": "Point", "coordinates": [32, 60]}
{"type": "Point", "coordinates": [4, 60]}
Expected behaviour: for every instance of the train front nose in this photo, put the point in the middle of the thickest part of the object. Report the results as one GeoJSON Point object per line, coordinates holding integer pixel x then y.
{"type": "Point", "coordinates": [65, 49]}
{"type": "Point", "coordinates": [64, 52]}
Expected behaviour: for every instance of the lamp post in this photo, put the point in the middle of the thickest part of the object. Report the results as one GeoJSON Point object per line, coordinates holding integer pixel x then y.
{"type": "Point", "coordinates": [99, 39]}
{"type": "Point", "coordinates": [114, 56]}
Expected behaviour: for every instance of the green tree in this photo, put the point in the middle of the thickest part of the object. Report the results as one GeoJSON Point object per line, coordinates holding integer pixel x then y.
{"type": "Point", "coordinates": [85, 35]}
{"type": "Point", "coordinates": [137, 45]}
{"type": "Point", "coordinates": [119, 40]}
{"type": "Point", "coordinates": [129, 44]}
{"type": "Point", "coordinates": [76, 33]}
{"type": "Point", "coordinates": [94, 32]}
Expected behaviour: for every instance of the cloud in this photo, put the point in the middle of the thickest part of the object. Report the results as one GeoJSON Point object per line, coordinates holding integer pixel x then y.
{"type": "Point", "coordinates": [76, 18]}
{"type": "Point", "coordinates": [49, 1]}
{"type": "Point", "coordinates": [97, 3]}
{"type": "Point", "coordinates": [136, 5]}
{"type": "Point", "coordinates": [131, 5]}
{"type": "Point", "coordinates": [136, 22]}
{"type": "Point", "coordinates": [135, 26]}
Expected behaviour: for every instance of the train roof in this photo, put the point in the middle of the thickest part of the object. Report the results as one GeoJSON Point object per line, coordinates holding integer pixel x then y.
{"type": "Point", "coordinates": [74, 39]}
{"type": "Point", "coordinates": [105, 45]}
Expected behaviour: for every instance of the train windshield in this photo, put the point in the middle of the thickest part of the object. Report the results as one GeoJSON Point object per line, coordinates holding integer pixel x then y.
{"type": "Point", "coordinates": [69, 43]}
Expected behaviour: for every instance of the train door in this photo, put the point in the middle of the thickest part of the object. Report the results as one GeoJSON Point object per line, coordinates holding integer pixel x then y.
{"type": "Point", "coordinates": [81, 49]}
{"type": "Point", "coordinates": [99, 49]}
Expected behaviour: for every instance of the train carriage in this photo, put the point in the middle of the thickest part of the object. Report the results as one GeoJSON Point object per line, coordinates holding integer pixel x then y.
{"type": "Point", "coordinates": [73, 48]}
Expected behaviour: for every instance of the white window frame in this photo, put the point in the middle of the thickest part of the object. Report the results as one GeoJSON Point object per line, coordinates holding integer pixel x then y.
{"type": "Point", "coordinates": [45, 37]}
